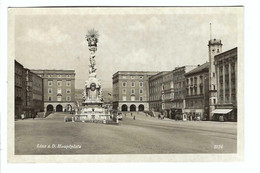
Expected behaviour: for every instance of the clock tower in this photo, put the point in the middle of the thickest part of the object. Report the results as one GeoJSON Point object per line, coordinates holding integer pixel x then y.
{"type": "Point", "coordinates": [215, 47]}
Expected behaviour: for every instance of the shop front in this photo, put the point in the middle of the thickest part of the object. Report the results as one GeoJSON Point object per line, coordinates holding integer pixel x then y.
{"type": "Point", "coordinates": [224, 115]}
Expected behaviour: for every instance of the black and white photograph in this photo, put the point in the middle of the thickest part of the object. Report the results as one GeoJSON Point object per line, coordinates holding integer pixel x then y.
{"type": "Point", "coordinates": [155, 83]}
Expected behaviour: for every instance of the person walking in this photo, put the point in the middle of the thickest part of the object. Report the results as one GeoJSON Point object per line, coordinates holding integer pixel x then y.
{"type": "Point", "coordinates": [134, 118]}
{"type": "Point", "coordinates": [22, 116]}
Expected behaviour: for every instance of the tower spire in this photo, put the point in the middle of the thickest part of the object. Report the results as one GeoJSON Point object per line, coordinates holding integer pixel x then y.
{"type": "Point", "coordinates": [210, 31]}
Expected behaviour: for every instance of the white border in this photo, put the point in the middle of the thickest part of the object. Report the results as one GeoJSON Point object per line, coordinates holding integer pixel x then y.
{"type": "Point", "coordinates": [251, 115]}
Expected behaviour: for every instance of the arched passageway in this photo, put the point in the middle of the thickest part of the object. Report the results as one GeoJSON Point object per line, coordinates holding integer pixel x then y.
{"type": "Point", "coordinates": [124, 108]}
{"type": "Point", "coordinates": [132, 108]}
{"type": "Point", "coordinates": [58, 108]}
{"type": "Point", "coordinates": [141, 107]}
{"type": "Point", "coordinates": [49, 108]}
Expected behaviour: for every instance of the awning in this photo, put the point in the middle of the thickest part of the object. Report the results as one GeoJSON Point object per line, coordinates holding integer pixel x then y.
{"type": "Point", "coordinates": [221, 111]}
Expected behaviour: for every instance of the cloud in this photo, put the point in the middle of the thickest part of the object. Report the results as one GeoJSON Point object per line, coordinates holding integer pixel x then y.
{"type": "Point", "coordinates": [52, 36]}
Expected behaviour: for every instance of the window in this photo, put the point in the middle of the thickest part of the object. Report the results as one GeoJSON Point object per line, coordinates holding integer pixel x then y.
{"type": "Point", "coordinates": [68, 98]}
{"type": "Point", "coordinates": [50, 90]}
{"type": "Point", "coordinates": [49, 98]}
{"type": "Point", "coordinates": [213, 74]}
{"type": "Point", "coordinates": [68, 83]}
{"type": "Point", "coordinates": [201, 79]}
{"type": "Point", "coordinates": [133, 84]}
{"type": "Point", "coordinates": [141, 77]}
{"type": "Point", "coordinates": [59, 83]}
{"type": "Point", "coordinates": [124, 91]}
{"type": "Point", "coordinates": [49, 83]}
{"type": "Point", "coordinates": [68, 91]}
{"type": "Point", "coordinates": [201, 90]}
{"type": "Point", "coordinates": [59, 90]}
{"type": "Point", "coordinates": [141, 91]}
{"type": "Point", "coordinates": [132, 91]}
{"type": "Point", "coordinates": [214, 101]}
{"type": "Point", "coordinates": [141, 98]}
{"type": "Point", "coordinates": [58, 98]}
{"type": "Point", "coordinates": [124, 84]}
{"type": "Point", "coordinates": [163, 106]}
{"type": "Point", "coordinates": [141, 84]}
{"type": "Point", "coordinates": [195, 80]}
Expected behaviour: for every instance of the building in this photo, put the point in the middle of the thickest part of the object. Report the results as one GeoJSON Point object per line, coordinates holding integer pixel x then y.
{"type": "Point", "coordinates": [226, 70]}
{"type": "Point", "coordinates": [174, 91]}
{"type": "Point", "coordinates": [28, 92]}
{"type": "Point", "coordinates": [20, 89]}
{"type": "Point", "coordinates": [179, 90]}
{"type": "Point", "coordinates": [155, 91]}
{"type": "Point", "coordinates": [131, 90]}
{"type": "Point", "coordinates": [215, 47]}
{"type": "Point", "coordinates": [167, 93]}
{"type": "Point", "coordinates": [34, 94]}
{"type": "Point", "coordinates": [59, 89]}
{"type": "Point", "coordinates": [197, 87]}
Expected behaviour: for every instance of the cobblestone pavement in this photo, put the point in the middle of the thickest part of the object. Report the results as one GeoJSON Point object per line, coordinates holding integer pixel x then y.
{"type": "Point", "coordinates": [144, 135]}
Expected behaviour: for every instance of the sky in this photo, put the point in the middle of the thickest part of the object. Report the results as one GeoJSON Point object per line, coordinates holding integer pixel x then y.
{"type": "Point", "coordinates": [134, 42]}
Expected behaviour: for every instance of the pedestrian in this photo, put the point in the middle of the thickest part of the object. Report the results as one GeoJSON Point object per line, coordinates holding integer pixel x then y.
{"type": "Point", "coordinates": [131, 114]}
{"type": "Point", "coordinates": [134, 118]}
{"type": "Point", "coordinates": [65, 119]}
{"type": "Point", "coordinates": [22, 116]}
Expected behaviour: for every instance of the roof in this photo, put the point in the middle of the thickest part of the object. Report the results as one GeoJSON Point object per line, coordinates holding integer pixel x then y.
{"type": "Point", "coordinates": [135, 73]}
{"type": "Point", "coordinates": [200, 68]}
{"type": "Point", "coordinates": [234, 50]}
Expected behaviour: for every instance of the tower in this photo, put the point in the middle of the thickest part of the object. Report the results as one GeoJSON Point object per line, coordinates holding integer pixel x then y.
{"type": "Point", "coordinates": [215, 47]}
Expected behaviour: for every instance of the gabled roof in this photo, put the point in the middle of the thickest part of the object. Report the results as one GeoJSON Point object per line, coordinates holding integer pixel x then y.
{"type": "Point", "coordinates": [199, 69]}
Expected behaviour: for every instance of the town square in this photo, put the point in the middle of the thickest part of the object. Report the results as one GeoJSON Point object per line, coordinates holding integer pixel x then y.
{"type": "Point", "coordinates": [141, 84]}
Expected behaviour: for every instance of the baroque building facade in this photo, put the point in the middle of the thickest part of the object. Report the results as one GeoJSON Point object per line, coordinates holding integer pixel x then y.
{"type": "Point", "coordinates": [226, 68]}
{"type": "Point", "coordinates": [197, 89]}
{"type": "Point", "coordinates": [131, 90]}
{"type": "Point", "coordinates": [174, 91]}
{"type": "Point", "coordinates": [155, 91]}
{"type": "Point", "coordinates": [59, 89]}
